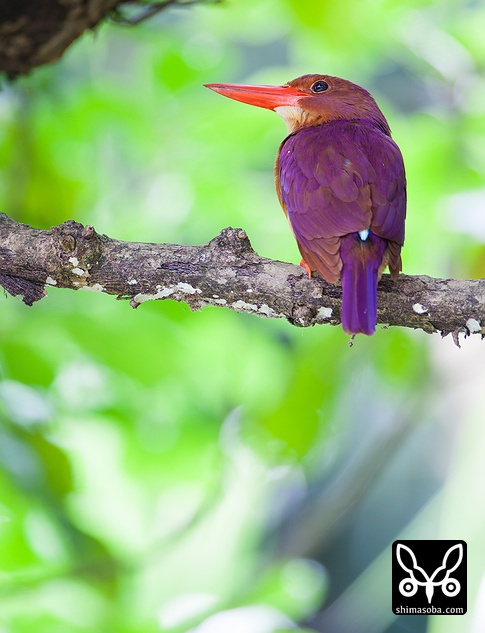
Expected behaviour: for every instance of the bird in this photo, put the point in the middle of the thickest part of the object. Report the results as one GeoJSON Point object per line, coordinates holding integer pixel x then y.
{"type": "Point", "coordinates": [340, 179]}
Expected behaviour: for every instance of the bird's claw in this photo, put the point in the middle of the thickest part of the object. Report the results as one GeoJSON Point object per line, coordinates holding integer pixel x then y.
{"type": "Point", "coordinates": [304, 265]}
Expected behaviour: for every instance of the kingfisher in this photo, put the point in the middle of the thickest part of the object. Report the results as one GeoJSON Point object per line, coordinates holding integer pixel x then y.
{"type": "Point", "coordinates": [341, 182]}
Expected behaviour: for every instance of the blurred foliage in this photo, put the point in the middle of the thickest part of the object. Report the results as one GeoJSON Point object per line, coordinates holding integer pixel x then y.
{"type": "Point", "coordinates": [214, 472]}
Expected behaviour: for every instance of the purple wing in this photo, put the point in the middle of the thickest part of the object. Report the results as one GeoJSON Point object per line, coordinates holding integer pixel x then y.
{"type": "Point", "coordinates": [337, 179]}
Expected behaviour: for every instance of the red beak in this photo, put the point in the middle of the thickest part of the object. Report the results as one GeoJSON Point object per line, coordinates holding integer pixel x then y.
{"type": "Point", "coordinates": [269, 97]}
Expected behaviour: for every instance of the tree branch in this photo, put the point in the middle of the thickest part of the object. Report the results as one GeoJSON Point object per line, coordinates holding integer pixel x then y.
{"type": "Point", "coordinates": [37, 32]}
{"type": "Point", "coordinates": [224, 272]}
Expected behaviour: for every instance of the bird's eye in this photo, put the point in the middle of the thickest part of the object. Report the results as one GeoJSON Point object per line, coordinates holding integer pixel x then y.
{"type": "Point", "coordinates": [319, 86]}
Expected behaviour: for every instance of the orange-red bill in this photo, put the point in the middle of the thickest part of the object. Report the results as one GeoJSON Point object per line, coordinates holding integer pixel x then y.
{"type": "Point", "coordinates": [269, 97]}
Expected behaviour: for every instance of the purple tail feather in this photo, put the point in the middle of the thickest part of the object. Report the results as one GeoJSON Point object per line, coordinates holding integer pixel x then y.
{"type": "Point", "coordinates": [361, 260]}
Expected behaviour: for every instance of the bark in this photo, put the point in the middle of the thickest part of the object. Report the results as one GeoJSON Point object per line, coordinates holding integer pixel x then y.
{"type": "Point", "coordinates": [225, 272]}
{"type": "Point", "coordinates": [37, 32]}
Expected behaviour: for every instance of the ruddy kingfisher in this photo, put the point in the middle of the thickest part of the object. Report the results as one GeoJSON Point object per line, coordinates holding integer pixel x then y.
{"type": "Point", "coordinates": [341, 182]}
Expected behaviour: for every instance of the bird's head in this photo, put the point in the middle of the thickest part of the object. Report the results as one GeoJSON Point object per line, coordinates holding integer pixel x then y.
{"type": "Point", "coordinates": [310, 100]}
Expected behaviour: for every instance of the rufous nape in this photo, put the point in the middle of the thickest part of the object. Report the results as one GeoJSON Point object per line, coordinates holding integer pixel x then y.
{"type": "Point", "coordinates": [341, 182]}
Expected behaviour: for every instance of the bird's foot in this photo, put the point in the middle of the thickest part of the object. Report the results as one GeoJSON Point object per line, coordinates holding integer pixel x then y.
{"type": "Point", "coordinates": [304, 265]}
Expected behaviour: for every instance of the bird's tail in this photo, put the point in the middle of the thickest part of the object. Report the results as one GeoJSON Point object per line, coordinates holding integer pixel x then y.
{"type": "Point", "coordinates": [362, 255]}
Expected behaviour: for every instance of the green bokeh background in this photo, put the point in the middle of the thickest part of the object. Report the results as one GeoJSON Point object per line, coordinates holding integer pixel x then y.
{"type": "Point", "coordinates": [213, 472]}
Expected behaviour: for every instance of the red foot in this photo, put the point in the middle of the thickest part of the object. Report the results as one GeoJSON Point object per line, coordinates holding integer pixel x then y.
{"type": "Point", "coordinates": [304, 265]}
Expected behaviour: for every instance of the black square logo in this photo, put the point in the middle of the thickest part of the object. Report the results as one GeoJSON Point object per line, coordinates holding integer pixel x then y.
{"type": "Point", "coordinates": [429, 577]}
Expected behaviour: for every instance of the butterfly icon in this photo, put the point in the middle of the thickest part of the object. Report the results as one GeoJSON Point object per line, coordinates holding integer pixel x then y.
{"type": "Point", "coordinates": [440, 577]}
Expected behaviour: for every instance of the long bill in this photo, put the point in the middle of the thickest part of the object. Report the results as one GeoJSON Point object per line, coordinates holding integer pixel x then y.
{"type": "Point", "coordinates": [269, 97]}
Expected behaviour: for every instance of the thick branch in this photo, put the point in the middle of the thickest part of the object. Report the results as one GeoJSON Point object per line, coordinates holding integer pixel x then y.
{"type": "Point", "coordinates": [224, 272]}
{"type": "Point", "coordinates": [36, 32]}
